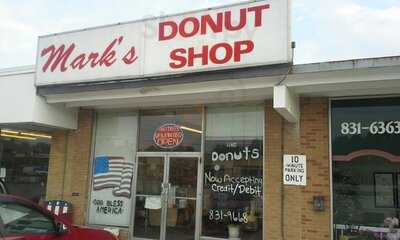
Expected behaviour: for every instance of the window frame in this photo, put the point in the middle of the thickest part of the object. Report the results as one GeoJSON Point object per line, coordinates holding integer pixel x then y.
{"type": "Point", "coordinates": [263, 140]}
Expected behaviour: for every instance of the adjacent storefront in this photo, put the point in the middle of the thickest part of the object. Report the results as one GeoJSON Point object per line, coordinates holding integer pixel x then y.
{"type": "Point", "coordinates": [365, 165]}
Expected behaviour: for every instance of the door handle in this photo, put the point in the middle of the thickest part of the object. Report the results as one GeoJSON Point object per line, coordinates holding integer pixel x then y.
{"type": "Point", "coordinates": [165, 192]}
{"type": "Point", "coordinates": [164, 188]}
{"type": "Point", "coordinates": [171, 196]}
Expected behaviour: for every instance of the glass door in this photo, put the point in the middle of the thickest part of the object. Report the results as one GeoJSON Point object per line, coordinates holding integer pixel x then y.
{"type": "Point", "coordinates": [166, 196]}
{"type": "Point", "coordinates": [149, 197]}
{"type": "Point", "coordinates": [182, 192]}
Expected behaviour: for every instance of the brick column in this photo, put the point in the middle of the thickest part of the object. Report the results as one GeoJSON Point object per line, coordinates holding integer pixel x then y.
{"type": "Point", "coordinates": [292, 197]}
{"type": "Point", "coordinates": [314, 139]}
{"type": "Point", "coordinates": [273, 221]}
{"type": "Point", "coordinates": [58, 155]}
{"type": "Point", "coordinates": [69, 165]}
{"type": "Point", "coordinates": [288, 210]}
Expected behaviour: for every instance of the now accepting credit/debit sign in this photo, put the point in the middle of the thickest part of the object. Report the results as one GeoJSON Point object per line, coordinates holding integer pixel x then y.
{"type": "Point", "coordinates": [240, 35]}
{"type": "Point", "coordinates": [295, 170]}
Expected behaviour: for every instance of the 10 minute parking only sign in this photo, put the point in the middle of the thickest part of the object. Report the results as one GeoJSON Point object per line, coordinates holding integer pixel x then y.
{"type": "Point", "coordinates": [295, 170]}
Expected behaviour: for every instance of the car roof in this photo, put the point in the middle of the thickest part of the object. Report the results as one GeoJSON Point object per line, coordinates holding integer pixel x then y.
{"type": "Point", "coordinates": [12, 198]}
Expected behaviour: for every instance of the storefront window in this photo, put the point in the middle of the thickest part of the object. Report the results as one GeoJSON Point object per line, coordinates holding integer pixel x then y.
{"type": "Point", "coordinates": [170, 130]}
{"type": "Point", "coordinates": [366, 168]}
{"type": "Point", "coordinates": [232, 203]}
{"type": "Point", "coordinates": [113, 168]}
{"type": "Point", "coordinates": [24, 159]}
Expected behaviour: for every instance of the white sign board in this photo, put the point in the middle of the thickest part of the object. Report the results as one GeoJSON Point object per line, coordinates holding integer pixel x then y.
{"type": "Point", "coordinates": [240, 35]}
{"type": "Point", "coordinates": [295, 170]}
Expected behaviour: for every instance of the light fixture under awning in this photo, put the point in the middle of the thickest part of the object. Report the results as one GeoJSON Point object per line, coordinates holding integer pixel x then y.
{"type": "Point", "coordinates": [17, 136]}
{"type": "Point", "coordinates": [22, 135]}
{"type": "Point", "coordinates": [35, 135]}
{"type": "Point", "coordinates": [191, 129]}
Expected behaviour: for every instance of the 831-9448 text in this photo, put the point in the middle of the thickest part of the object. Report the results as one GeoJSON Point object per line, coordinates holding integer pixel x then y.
{"type": "Point", "coordinates": [230, 215]}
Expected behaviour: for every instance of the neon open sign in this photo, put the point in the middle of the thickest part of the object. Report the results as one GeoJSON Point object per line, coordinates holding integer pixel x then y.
{"type": "Point", "coordinates": [168, 136]}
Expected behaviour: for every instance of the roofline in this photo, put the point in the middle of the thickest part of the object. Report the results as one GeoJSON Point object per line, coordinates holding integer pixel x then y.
{"type": "Point", "coordinates": [195, 77]}
{"type": "Point", "coordinates": [351, 64]}
{"type": "Point", "coordinates": [17, 70]}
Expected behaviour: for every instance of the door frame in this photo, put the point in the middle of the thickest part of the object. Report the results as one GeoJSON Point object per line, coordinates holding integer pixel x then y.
{"type": "Point", "coordinates": [167, 156]}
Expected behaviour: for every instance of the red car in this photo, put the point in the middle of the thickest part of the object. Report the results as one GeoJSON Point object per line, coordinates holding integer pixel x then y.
{"type": "Point", "coordinates": [23, 220]}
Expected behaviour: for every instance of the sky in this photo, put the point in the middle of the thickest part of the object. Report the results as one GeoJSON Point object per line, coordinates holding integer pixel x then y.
{"type": "Point", "coordinates": [324, 30]}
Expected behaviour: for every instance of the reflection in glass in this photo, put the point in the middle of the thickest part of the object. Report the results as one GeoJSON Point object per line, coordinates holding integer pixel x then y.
{"type": "Point", "coordinates": [181, 220]}
{"type": "Point", "coordinates": [183, 176]}
{"type": "Point", "coordinates": [188, 119]}
{"type": "Point", "coordinates": [26, 163]}
{"type": "Point", "coordinates": [232, 191]}
{"type": "Point", "coordinates": [115, 144]}
{"type": "Point", "coordinates": [181, 210]}
{"type": "Point", "coordinates": [20, 220]}
{"type": "Point", "coordinates": [365, 168]}
{"type": "Point", "coordinates": [360, 200]}
{"type": "Point", "coordinates": [150, 176]}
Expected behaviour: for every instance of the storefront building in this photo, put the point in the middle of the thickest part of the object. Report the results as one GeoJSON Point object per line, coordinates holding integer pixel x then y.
{"type": "Point", "coordinates": [198, 126]}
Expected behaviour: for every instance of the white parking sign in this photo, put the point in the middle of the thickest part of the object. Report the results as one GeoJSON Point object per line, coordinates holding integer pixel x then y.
{"type": "Point", "coordinates": [295, 170]}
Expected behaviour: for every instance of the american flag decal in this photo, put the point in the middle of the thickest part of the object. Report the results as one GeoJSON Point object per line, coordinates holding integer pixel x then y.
{"type": "Point", "coordinates": [58, 207]}
{"type": "Point", "coordinates": [115, 173]}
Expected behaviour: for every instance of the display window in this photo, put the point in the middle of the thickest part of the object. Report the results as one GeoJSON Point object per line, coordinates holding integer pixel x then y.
{"type": "Point", "coordinates": [233, 170]}
{"type": "Point", "coordinates": [177, 130]}
{"type": "Point", "coordinates": [155, 189]}
{"type": "Point", "coordinates": [366, 168]}
{"type": "Point", "coordinates": [113, 169]}
{"type": "Point", "coordinates": [24, 161]}
{"type": "Point", "coordinates": [167, 173]}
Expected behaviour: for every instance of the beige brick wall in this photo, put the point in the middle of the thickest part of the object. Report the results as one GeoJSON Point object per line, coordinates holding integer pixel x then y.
{"type": "Point", "coordinates": [314, 140]}
{"type": "Point", "coordinates": [69, 165]}
{"type": "Point", "coordinates": [124, 234]}
{"type": "Point", "coordinates": [58, 155]}
{"type": "Point", "coordinates": [288, 210]}
{"type": "Point", "coordinates": [292, 210]}
{"type": "Point", "coordinates": [273, 174]}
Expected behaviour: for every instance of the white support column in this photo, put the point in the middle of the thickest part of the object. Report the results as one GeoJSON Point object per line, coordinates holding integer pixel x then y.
{"type": "Point", "coordinates": [286, 103]}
